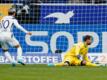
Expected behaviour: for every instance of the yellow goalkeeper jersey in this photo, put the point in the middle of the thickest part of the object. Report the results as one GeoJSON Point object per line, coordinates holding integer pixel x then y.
{"type": "Point", "coordinates": [79, 49]}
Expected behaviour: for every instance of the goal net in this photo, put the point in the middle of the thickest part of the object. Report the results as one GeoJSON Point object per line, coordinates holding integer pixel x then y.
{"type": "Point", "coordinates": [56, 27]}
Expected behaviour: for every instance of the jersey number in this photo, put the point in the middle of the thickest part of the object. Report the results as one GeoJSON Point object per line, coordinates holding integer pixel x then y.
{"type": "Point", "coordinates": [4, 24]}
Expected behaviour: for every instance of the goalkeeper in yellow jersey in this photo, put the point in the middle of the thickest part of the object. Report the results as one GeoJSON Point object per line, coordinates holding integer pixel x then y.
{"type": "Point", "coordinates": [79, 49]}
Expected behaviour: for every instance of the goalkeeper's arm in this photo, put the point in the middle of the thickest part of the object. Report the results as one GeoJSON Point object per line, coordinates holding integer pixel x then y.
{"type": "Point", "coordinates": [85, 57]}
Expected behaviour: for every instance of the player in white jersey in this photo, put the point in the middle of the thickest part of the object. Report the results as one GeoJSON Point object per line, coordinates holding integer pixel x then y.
{"type": "Point", "coordinates": [7, 38]}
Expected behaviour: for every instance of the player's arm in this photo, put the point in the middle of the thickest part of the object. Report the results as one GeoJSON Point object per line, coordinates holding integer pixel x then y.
{"type": "Point", "coordinates": [20, 27]}
{"type": "Point", "coordinates": [78, 47]}
{"type": "Point", "coordinates": [88, 62]}
{"type": "Point", "coordinates": [85, 57]}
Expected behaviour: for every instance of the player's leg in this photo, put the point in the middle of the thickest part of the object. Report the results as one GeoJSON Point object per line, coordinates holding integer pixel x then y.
{"type": "Point", "coordinates": [19, 54]}
{"type": "Point", "coordinates": [66, 62]}
{"type": "Point", "coordinates": [86, 63]}
{"type": "Point", "coordinates": [95, 65]}
{"type": "Point", "coordinates": [90, 64]}
{"type": "Point", "coordinates": [19, 51]}
{"type": "Point", "coordinates": [7, 54]}
{"type": "Point", "coordinates": [4, 45]}
{"type": "Point", "coordinates": [76, 62]}
{"type": "Point", "coordinates": [14, 42]}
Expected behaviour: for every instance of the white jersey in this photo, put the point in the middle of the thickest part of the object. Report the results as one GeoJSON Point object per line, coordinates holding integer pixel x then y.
{"type": "Point", "coordinates": [7, 23]}
{"type": "Point", "coordinates": [6, 34]}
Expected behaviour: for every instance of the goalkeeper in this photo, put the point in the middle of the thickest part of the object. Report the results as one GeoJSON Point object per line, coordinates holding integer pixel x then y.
{"type": "Point", "coordinates": [72, 56]}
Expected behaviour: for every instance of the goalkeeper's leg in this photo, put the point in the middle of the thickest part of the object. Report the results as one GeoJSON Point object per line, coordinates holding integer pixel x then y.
{"type": "Point", "coordinates": [66, 62]}
{"type": "Point", "coordinates": [78, 62]}
{"type": "Point", "coordinates": [91, 64]}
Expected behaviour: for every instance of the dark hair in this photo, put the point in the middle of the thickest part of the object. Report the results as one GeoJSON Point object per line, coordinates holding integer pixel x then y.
{"type": "Point", "coordinates": [87, 37]}
{"type": "Point", "coordinates": [11, 11]}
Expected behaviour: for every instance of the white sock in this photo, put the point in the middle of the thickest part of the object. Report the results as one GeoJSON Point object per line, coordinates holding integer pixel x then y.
{"type": "Point", "coordinates": [8, 56]}
{"type": "Point", "coordinates": [19, 53]}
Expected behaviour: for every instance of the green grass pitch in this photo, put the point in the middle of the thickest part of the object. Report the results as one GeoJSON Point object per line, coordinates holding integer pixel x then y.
{"type": "Point", "coordinates": [43, 72]}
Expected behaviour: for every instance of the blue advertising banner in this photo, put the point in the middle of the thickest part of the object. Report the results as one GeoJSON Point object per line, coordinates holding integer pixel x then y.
{"type": "Point", "coordinates": [46, 39]}
{"type": "Point", "coordinates": [49, 38]}
{"type": "Point", "coordinates": [34, 58]}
